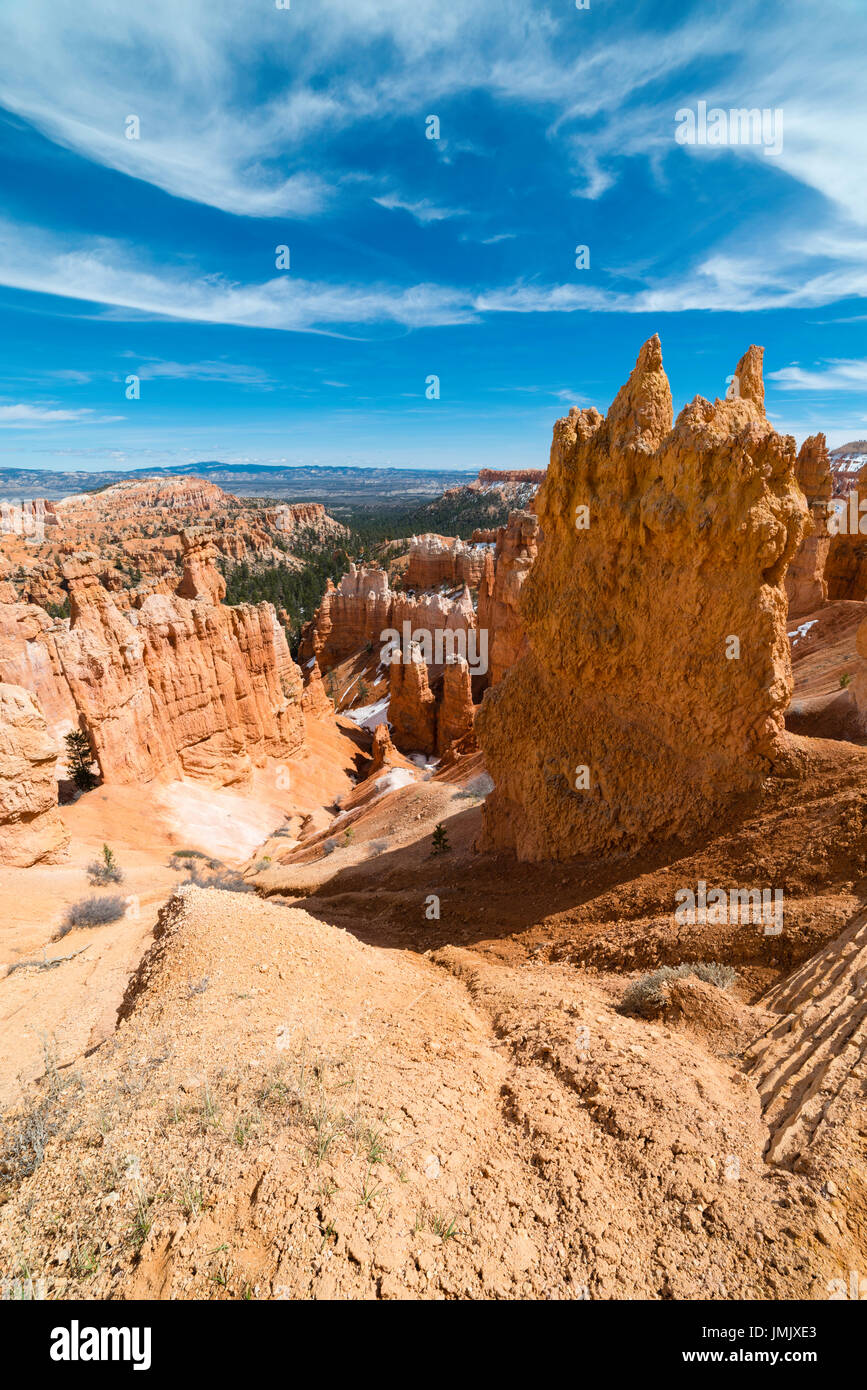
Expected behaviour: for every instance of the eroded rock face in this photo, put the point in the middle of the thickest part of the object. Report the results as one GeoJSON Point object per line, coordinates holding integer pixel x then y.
{"type": "Point", "coordinates": [806, 586]}
{"type": "Point", "coordinates": [456, 712]}
{"type": "Point", "coordinates": [315, 699]}
{"type": "Point", "coordinates": [384, 755]}
{"type": "Point", "coordinates": [133, 528]}
{"type": "Point", "coordinates": [184, 685]}
{"type": "Point", "coordinates": [658, 667]}
{"type": "Point", "coordinates": [506, 569]}
{"type": "Point", "coordinates": [412, 705]}
{"type": "Point", "coordinates": [435, 560]}
{"type": "Point", "coordinates": [200, 578]}
{"type": "Point", "coordinates": [362, 607]}
{"type": "Point", "coordinates": [181, 685]}
{"type": "Point", "coordinates": [294, 518]}
{"type": "Point", "coordinates": [808, 1066]}
{"type": "Point", "coordinates": [488, 476]}
{"type": "Point", "coordinates": [31, 830]}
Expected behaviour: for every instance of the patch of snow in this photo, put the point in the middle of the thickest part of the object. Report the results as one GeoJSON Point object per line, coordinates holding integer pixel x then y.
{"type": "Point", "coordinates": [801, 631]}
{"type": "Point", "coordinates": [368, 716]}
{"type": "Point", "coordinates": [421, 760]}
{"type": "Point", "coordinates": [391, 780]}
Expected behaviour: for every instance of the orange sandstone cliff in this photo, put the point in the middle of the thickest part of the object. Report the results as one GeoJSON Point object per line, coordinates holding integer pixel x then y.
{"type": "Point", "coordinates": [31, 830]}
{"type": "Point", "coordinates": [180, 685]}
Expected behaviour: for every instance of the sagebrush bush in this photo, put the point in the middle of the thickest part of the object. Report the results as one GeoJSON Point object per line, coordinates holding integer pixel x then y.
{"type": "Point", "coordinates": [644, 995]}
{"type": "Point", "coordinates": [93, 912]}
{"type": "Point", "coordinates": [225, 879]}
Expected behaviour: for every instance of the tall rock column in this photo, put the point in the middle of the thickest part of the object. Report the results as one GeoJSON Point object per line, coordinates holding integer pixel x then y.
{"type": "Point", "coordinates": [456, 712]}
{"type": "Point", "coordinates": [846, 568]}
{"type": "Point", "coordinates": [658, 668]}
{"type": "Point", "coordinates": [806, 586]}
{"type": "Point", "coordinates": [506, 569]}
{"type": "Point", "coordinates": [412, 707]}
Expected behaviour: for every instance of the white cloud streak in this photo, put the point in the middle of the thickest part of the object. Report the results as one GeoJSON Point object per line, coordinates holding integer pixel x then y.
{"type": "Point", "coordinates": [33, 416]}
{"type": "Point", "coordinates": [118, 277]}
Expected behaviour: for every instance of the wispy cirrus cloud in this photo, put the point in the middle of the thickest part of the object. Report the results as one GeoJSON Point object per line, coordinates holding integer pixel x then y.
{"type": "Point", "coordinates": [423, 210]}
{"type": "Point", "coordinates": [211, 134]}
{"type": "Point", "coordinates": [236, 373]}
{"type": "Point", "coordinates": [105, 272]}
{"type": "Point", "coordinates": [28, 416]}
{"type": "Point", "coordinates": [605, 98]}
{"type": "Point", "coordinates": [111, 274]}
{"type": "Point", "coordinates": [835, 374]}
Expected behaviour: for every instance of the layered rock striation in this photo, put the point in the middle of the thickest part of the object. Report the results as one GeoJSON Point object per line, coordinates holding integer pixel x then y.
{"type": "Point", "coordinates": [358, 611]}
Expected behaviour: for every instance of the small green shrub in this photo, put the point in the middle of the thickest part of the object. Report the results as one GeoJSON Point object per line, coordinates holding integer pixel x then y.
{"type": "Point", "coordinates": [105, 870]}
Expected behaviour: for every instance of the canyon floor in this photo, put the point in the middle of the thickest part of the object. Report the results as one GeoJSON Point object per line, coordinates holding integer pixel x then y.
{"type": "Point", "coordinates": [387, 1072]}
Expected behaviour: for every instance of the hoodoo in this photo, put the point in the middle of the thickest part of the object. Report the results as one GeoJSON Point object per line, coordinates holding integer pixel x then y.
{"type": "Point", "coordinates": [658, 668]}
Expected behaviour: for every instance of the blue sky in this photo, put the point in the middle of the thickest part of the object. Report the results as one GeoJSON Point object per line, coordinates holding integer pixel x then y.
{"type": "Point", "coordinates": [410, 257]}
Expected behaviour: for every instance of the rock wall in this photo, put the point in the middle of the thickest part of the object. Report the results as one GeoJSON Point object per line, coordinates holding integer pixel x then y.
{"type": "Point", "coordinates": [182, 685]}
{"type": "Point", "coordinates": [29, 657]}
{"type": "Point", "coordinates": [506, 569]}
{"type": "Point", "coordinates": [488, 476]}
{"type": "Point", "coordinates": [806, 586]}
{"type": "Point", "coordinates": [436, 560]}
{"type": "Point", "coordinates": [293, 518]}
{"type": "Point", "coordinates": [658, 669]}
{"type": "Point", "coordinates": [140, 496]}
{"type": "Point", "coordinates": [31, 830]}
{"type": "Point", "coordinates": [362, 606]}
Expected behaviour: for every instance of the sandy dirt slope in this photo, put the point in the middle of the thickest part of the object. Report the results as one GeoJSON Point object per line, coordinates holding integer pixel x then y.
{"type": "Point", "coordinates": [402, 1073]}
{"type": "Point", "coordinates": [823, 655]}
{"type": "Point", "coordinates": [61, 1011]}
{"type": "Point", "coordinates": [286, 1112]}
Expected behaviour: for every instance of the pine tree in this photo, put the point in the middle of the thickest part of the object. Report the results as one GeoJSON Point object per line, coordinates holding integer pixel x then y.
{"type": "Point", "coordinates": [440, 840]}
{"type": "Point", "coordinates": [79, 759]}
